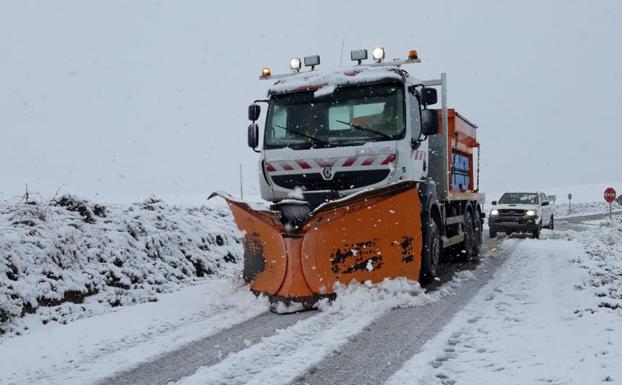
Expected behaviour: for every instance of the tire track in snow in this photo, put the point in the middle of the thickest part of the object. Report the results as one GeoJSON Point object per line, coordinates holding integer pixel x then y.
{"type": "Point", "coordinates": [280, 358]}
{"type": "Point", "coordinates": [208, 351]}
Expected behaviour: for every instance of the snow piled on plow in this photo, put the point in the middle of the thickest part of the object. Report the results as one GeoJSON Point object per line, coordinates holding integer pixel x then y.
{"type": "Point", "coordinates": [389, 294]}
{"type": "Point", "coordinates": [68, 258]}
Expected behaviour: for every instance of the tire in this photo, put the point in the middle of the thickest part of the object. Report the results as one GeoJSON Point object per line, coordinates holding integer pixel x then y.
{"type": "Point", "coordinates": [492, 233]}
{"type": "Point", "coordinates": [469, 238]}
{"type": "Point", "coordinates": [536, 233]}
{"type": "Point", "coordinates": [477, 234]}
{"type": "Point", "coordinates": [431, 254]}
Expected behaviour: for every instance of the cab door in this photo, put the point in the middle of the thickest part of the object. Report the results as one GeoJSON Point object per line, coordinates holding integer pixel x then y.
{"type": "Point", "coordinates": [417, 158]}
{"type": "Point", "coordinates": [546, 210]}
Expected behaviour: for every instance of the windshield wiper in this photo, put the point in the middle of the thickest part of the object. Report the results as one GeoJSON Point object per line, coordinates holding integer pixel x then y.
{"type": "Point", "coordinates": [313, 138]}
{"type": "Point", "coordinates": [366, 129]}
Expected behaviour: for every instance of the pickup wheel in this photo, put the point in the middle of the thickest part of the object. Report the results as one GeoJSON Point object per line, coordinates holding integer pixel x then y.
{"type": "Point", "coordinates": [492, 233]}
{"type": "Point", "coordinates": [431, 253]}
{"type": "Point", "coordinates": [536, 232]}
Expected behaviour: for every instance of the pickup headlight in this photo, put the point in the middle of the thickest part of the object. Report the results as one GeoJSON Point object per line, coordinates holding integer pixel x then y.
{"type": "Point", "coordinates": [494, 212]}
{"type": "Point", "coordinates": [531, 213]}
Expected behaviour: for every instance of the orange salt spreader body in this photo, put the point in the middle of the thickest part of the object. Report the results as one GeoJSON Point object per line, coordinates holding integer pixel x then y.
{"type": "Point", "coordinates": [368, 236]}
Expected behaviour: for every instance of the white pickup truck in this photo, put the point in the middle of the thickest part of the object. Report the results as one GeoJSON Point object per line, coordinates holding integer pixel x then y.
{"type": "Point", "coordinates": [522, 212]}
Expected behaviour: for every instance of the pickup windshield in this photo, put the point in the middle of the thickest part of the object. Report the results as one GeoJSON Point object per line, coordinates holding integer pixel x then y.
{"type": "Point", "coordinates": [519, 198]}
{"type": "Point", "coordinates": [349, 116]}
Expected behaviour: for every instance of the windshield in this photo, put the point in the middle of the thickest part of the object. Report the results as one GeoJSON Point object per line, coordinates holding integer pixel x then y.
{"type": "Point", "coordinates": [349, 116]}
{"type": "Point", "coordinates": [519, 198]}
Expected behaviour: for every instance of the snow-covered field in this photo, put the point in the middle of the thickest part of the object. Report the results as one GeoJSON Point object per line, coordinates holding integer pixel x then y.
{"type": "Point", "coordinates": [67, 258]}
{"type": "Point", "coordinates": [584, 208]}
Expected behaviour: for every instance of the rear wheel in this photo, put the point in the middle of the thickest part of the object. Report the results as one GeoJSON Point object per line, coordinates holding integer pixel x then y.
{"type": "Point", "coordinates": [552, 224]}
{"type": "Point", "coordinates": [468, 247]}
{"type": "Point", "coordinates": [477, 234]}
{"type": "Point", "coordinates": [431, 252]}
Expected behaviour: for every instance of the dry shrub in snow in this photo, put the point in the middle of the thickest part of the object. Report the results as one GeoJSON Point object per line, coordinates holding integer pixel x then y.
{"type": "Point", "coordinates": [69, 250]}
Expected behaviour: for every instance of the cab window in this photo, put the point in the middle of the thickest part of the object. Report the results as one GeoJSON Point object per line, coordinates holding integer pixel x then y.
{"type": "Point", "coordinates": [414, 117]}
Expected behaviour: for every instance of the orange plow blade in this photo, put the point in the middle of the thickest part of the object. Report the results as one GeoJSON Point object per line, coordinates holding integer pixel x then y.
{"type": "Point", "coordinates": [368, 236]}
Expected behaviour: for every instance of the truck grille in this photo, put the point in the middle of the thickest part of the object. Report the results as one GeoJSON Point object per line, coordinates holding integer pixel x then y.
{"type": "Point", "coordinates": [511, 213]}
{"type": "Point", "coordinates": [344, 180]}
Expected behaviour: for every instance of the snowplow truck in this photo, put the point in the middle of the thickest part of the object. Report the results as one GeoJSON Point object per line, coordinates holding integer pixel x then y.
{"type": "Point", "coordinates": [366, 180]}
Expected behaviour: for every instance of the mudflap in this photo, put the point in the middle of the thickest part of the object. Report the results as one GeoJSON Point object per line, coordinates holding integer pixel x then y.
{"type": "Point", "coordinates": [368, 236]}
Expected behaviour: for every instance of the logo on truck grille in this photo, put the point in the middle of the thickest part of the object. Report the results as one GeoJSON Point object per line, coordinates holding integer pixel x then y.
{"type": "Point", "coordinates": [327, 173]}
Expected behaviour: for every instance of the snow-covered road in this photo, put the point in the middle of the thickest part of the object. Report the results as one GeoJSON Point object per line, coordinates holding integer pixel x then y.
{"type": "Point", "coordinates": [532, 311]}
{"type": "Point", "coordinates": [551, 315]}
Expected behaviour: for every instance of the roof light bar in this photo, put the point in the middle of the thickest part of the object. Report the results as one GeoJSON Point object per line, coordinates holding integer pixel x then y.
{"type": "Point", "coordinates": [378, 55]}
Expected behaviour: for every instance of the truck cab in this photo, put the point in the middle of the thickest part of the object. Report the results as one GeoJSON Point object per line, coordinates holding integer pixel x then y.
{"type": "Point", "coordinates": [336, 133]}
{"type": "Point", "coordinates": [522, 212]}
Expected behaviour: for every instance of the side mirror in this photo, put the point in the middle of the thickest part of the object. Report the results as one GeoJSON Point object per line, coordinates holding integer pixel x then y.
{"type": "Point", "coordinates": [429, 122]}
{"type": "Point", "coordinates": [545, 203]}
{"type": "Point", "coordinates": [428, 96]}
{"type": "Point", "coordinates": [253, 135]}
{"type": "Point", "coordinates": [253, 112]}
{"type": "Point", "coordinates": [493, 203]}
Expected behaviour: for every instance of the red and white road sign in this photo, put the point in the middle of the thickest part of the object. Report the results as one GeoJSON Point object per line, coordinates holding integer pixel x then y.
{"type": "Point", "coordinates": [610, 194]}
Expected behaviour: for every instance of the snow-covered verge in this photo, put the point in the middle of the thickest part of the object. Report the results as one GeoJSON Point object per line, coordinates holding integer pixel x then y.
{"type": "Point", "coordinates": [551, 314]}
{"type": "Point", "coordinates": [91, 349]}
{"type": "Point", "coordinates": [68, 258]}
{"type": "Point", "coordinates": [563, 210]}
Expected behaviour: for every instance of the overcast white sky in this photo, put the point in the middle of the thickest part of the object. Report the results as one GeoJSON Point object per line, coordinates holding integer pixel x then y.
{"type": "Point", "coordinates": [127, 98]}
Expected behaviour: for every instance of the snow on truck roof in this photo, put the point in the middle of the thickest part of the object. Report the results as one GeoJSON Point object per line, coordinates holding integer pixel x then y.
{"type": "Point", "coordinates": [325, 82]}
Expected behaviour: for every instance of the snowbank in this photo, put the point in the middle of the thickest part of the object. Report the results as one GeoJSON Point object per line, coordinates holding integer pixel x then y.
{"type": "Point", "coordinates": [69, 258]}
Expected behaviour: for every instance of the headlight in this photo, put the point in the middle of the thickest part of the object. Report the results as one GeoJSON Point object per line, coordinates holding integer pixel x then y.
{"type": "Point", "coordinates": [494, 212]}
{"type": "Point", "coordinates": [531, 213]}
